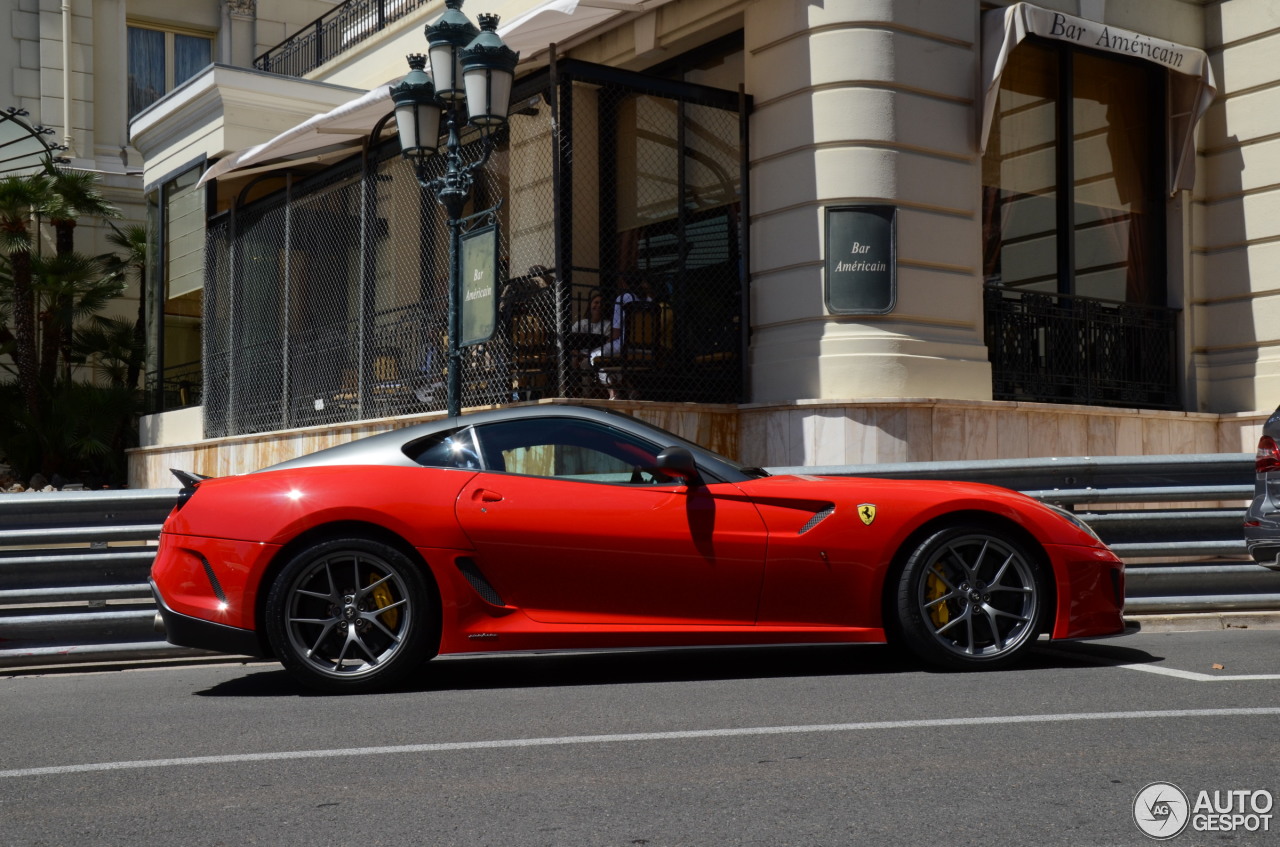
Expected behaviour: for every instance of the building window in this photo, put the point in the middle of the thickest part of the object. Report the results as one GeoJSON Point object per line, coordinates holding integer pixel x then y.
{"type": "Point", "coordinates": [1073, 176]}
{"type": "Point", "coordinates": [176, 218]}
{"type": "Point", "coordinates": [1073, 209]}
{"type": "Point", "coordinates": [160, 60]}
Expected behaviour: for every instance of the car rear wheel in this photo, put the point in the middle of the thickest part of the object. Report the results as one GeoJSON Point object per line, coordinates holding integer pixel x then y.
{"type": "Point", "coordinates": [970, 597]}
{"type": "Point", "coordinates": [349, 615]}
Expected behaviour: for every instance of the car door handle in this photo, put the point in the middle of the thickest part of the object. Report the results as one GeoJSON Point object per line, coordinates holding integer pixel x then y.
{"type": "Point", "coordinates": [484, 495]}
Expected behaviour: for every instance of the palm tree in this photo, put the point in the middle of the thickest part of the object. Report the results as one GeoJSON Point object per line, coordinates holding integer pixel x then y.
{"type": "Point", "coordinates": [70, 286]}
{"type": "Point", "coordinates": [20, 198]}
{"type": "Point", "coordinates": [72, 195]}
{"type": "Point", "coordinates": [133, 241]}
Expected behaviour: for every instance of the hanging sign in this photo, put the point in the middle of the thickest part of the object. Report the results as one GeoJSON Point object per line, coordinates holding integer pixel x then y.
{"type": "Point", "coordinates": [861, 257]}
{"type": "Point", "coordinates": [477, 298]}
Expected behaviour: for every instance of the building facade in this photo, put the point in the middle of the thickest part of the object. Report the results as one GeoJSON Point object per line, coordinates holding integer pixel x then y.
{"type": "Point", "coordinates": [84, 68]}
{"type": "Point", "coordinates": [873, 230]}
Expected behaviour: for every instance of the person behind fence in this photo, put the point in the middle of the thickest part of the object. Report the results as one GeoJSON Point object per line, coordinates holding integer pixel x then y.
{"type": "Point", "coordinates": [588, 332]}
{"type": "Point", "coordinates": [618, 327]}
{"type": "Point", "coordinates": [593, 320]}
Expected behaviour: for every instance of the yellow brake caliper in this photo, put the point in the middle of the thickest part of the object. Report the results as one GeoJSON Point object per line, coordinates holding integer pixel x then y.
{"type": "Point", "coordinates": [382, 597]}
{"type": "Point", "coordinates": [933, 589]}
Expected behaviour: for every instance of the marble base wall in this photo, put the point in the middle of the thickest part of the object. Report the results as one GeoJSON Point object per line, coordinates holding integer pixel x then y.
{"type": "Point", "coordinates": [802, 433]}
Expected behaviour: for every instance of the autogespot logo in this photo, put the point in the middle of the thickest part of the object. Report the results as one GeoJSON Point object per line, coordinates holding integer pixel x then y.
{"type": "Point", "coordinates": [1160, 810]}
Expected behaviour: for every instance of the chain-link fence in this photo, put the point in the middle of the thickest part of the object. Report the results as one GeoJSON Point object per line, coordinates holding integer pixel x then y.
{"type": "Point", "coordinates": [621, 261]}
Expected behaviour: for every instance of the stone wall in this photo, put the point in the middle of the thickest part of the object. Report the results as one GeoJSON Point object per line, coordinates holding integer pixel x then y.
{"type": "Point", "coordinates": [806, 433]}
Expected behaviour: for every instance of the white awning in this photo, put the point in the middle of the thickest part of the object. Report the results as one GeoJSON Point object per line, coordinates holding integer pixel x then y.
{"type": "Point", "coordinates": [560, 21]}
{"type": "Point", "coordinates": [1191, 83]}
{"type": "Point", "coordinates": [333, 134]}
{"type": "Point", "coordinates": [340, 131]}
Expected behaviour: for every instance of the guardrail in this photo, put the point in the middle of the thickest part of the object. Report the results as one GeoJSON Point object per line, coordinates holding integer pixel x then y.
{"type": "Point", "coordinates": [73, 566]}
{"type": "Point", "coordinates": [73, 576]}
{"type": "Point", "coordinates": [1190, 558]}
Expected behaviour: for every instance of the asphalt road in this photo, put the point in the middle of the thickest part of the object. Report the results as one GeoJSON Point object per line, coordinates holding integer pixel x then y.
{"type": "Point", "coordinates": [781, 746]}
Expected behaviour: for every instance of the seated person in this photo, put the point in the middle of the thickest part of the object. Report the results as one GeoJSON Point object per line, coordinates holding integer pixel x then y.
{"type": "Point", "coordinates": [618, 328]}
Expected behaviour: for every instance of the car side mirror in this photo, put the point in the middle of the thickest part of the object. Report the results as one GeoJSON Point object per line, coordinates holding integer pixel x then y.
{"type": "Point", "coordinates": [678, 462]}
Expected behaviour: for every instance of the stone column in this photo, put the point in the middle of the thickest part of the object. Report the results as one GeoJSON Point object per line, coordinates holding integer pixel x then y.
{"type": "Point", "coordinates": [871, 102]}
{"type": "Point", "coordinates": [110, 82]}
{"type": "Point", "coordinates": [243, 32]}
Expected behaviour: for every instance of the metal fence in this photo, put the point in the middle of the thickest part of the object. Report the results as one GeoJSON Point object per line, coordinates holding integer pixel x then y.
{"type": "Point", "coordinates": [1188, 557]}
{"type": "Point", "coordinates": [326, 301]}
{"type": "Point", "coordinates": [73, 567]}
{"type": "Point", "coordinates": [331, 34]}
{"type": "Point", "coordinates": [1060, 348]}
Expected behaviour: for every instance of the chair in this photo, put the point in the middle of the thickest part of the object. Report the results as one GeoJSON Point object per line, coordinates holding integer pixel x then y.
{"type": "Point", "coordinates": [385, 387]}
{"type": "Point", "coordinates": [646, 341]}
{"type": "Point", "coordinates": [532, 355]}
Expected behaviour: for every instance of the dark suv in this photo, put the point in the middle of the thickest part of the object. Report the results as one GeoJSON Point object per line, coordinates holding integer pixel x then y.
{"type": "Point", "coordinates": [1262, 521]}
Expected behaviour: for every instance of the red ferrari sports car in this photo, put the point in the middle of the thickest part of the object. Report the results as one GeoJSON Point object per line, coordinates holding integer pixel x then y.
{"type": "Point", "coordinates": [562, 527]}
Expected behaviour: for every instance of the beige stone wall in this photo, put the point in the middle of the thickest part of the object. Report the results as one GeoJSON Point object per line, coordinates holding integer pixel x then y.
{"type": "Point", "coordinates": [865, 103]}
{"type": "Point", "coordinates": [1235, 240]}
{"type": "Point", "coordinates": [276, 20]}
{"type": "Point", "coordinates": [812, 434]}
{"type": "Point", "coordinates": [849, 433]}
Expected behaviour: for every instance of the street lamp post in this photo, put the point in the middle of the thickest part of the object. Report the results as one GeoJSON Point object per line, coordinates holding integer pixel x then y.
{"type": "Point", "coordinates": [473, 71]}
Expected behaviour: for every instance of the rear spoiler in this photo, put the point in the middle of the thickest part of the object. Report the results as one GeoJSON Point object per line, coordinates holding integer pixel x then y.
{"type": "Point", "coordinates": [189, 482]}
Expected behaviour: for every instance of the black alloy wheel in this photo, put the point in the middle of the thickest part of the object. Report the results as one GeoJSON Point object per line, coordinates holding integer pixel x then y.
{"type": "Point", "coordinates": [350, 615]}
{"type": "Point", "coordinates": [971, 597]}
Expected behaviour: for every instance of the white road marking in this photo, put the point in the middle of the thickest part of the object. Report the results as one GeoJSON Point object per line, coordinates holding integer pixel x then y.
{"type": "Point", "coordinates": [1192, 676]}
{"type": "Point", "coordinates": [238, 758]}
{"type": "Point", "coordinates": [1200, 677]}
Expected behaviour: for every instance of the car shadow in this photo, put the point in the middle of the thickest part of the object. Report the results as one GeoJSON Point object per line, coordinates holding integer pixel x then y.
{"type": "Point", "coordinates": [637, 667]}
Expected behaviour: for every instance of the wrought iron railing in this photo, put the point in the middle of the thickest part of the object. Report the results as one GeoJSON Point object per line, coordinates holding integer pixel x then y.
{"type": "Point", "coordinates": [1059, 348]}
{"type": "Point", "coordinates": [176, 387]}
{"type": "Point", "coordinates": [337, 30]}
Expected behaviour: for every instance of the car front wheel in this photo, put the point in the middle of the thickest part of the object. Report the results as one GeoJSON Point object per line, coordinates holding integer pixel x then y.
{"type": "Point", "coordinates": [349, 615]}
{"type": "Point", "coordinates": [970, 597]}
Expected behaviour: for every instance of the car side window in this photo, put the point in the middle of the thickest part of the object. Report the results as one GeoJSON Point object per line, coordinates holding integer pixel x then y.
{"type": "Point", "coordinates": [456, 449]}
{"type": "Point", "coordinates": [564, 448]}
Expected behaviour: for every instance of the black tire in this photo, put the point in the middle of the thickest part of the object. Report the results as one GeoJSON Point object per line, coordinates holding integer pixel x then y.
{"type": "Point", "coordinates": [971, 597]}
{"type": "Point", "coordinates": [350, 615]}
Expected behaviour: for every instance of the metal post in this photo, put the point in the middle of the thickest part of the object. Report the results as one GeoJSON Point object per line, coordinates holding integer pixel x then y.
{"type": "Point", "coordinates": [454, 389]}
{"type": "Point", "coordinates": [286, 286]}
{"type": "Point", "coordinates": [452, 190]}
{"type": "Point", "coordinates": [452, 194]}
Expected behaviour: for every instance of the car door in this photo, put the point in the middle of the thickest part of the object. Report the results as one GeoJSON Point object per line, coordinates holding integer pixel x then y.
{"type": "Point", "coordinates": [570, 526]}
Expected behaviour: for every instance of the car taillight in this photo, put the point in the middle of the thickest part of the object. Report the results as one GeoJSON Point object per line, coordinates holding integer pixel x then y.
{"type": "Point", "coordinates": [1267, 458]}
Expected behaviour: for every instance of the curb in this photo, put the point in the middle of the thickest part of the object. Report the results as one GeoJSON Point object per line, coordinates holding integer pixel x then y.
{"type": "Point", "coordinates": [1207, 621]}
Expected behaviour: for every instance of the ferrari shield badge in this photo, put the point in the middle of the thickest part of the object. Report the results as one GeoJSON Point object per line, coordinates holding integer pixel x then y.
{"type": "Point", "coordinates": [867, 511]}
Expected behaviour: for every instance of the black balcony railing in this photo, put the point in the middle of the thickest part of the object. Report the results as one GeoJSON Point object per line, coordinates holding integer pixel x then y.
{"type": "Point", "coordinates": [1058, 348]}
{"type": "Point", "coordinates": [176, 387]}
{"type": "Point", "coordinates": [339, 29]}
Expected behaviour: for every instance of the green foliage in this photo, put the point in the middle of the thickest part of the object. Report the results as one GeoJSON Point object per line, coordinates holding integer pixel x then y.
{"type": "Point", "coordinates": [83, 433]}
{"type": "Point", "coordinates": [55, 422]}
{"type": "Point", "coordinates": [112, 345]}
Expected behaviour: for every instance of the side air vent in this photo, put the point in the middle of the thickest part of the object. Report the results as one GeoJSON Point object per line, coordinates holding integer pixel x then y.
{"type": "Point", "coordinates": [478, 582]}
{"type": "Point", "coordinates": [213, 580]}
{"type": "Point", "coordinates": [817, 518]}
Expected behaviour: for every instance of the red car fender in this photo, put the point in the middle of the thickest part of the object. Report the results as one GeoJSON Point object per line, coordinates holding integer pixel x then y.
{"type": "Point", "coordinates": [836, 570]}
{"type": "Point", "coordinates": [416, 504]}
